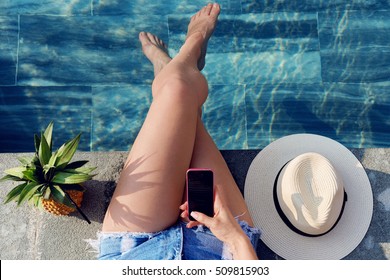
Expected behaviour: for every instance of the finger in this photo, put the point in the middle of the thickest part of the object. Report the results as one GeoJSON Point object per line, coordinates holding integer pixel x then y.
{"type": "Point", "coordinates": [202, 218]}
{"type": "Point", "coordinates": [184, 214]}
{"type": "Point", "coordinates": [184, 206]}
{"type": "Point", "coordinates": [192, 224]}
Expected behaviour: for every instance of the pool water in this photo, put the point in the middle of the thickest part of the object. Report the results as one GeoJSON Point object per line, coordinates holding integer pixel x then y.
{"type": "Point", "coordinates": [275, 68]}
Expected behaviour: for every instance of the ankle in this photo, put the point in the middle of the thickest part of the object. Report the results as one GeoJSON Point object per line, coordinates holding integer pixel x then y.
{"type": "Point", "coordinates": [194, 42]}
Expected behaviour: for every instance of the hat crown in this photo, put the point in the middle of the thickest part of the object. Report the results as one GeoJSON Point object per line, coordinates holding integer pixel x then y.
{"type": "Point", "coordinates": [310, 193]}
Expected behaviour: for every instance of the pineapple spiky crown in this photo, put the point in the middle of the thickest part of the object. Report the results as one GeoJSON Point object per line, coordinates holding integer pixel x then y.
{"type": "Point", "coordinates": [48, 175]}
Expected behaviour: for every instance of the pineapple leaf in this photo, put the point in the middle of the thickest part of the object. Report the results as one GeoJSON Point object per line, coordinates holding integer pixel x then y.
{"type": "Point", "coordinates": [46, 167]}
{"type": "Point", "coordinates": [59, 195]}
{"type": "Point", "coordinates": [14, 193]}
{"type": "Point", "coordinates": [47, 193]}
{"type": "Point", "coordinates": [37, 201]}
{"type": "Point", "coordinates": [53, 159]}
{"type": "Point", "coordinates": [44, 152]}
{"type": "Point", "coordinates": [29, 175]}
{"type": "Point", "coordinates": [66, 152]}
{"type": "Point", "coordinates": [49, 172]}
{"type": "Point", "coordinates": [76, 164]}
{"type": "Point", "coordinates": [10, 177]}
{"type": "Point", "coordinates": [84, 170]}
{"type": "Point", "coordinates": [26, 162]}
{"type": "Point", "coordinates": [16, 171]}
{"type": "Point", "coordinates": [70, 178]}
{"type": "Point", "coordinates": [37, 142]}
{"type": "Point", "coordinates": [28, 191]}
{"type": "Point", "coordinates": [35, 161]}
{"type": "Point", "coordinates": [48, 134]}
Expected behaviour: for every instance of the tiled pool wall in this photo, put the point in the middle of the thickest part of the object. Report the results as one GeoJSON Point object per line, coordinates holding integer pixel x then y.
{"type": "Point", "coordinates": [274, 68]}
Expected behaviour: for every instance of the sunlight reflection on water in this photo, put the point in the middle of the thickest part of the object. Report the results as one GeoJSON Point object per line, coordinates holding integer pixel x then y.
{"type": "Point", "coordinates": [274, 67]}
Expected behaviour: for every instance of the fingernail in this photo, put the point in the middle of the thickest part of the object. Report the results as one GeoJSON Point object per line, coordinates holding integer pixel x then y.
{"type": "Point", "coordinates": [194, 215]}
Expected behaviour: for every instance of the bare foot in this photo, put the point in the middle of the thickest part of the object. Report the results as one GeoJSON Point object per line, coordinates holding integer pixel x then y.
{"type": "Point", "coordinates": [155, 50]}
{"type": "Point", "coordinates": [204, 22]}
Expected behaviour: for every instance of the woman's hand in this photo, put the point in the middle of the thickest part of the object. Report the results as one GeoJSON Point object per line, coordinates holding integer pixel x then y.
{"type": "Point", "coordinates": [224, 226]}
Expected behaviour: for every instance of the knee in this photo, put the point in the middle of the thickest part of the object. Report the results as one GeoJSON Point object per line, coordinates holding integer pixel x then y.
{"type": "Point", "coordinates": [177, 91]}
{"type": "Point", "coordinates": [182, 91]}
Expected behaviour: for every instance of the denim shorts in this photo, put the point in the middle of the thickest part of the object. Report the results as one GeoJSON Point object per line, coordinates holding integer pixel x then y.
{"type": "Point", "coordinates": [175, 243]}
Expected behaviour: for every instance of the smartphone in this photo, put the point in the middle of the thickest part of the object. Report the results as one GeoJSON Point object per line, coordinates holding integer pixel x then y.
{"type": "Point", "coordinates": [200, 191]}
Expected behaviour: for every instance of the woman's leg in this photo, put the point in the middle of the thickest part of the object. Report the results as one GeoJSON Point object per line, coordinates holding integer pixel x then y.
{"type": "Point", "coordinates": [151, 185]}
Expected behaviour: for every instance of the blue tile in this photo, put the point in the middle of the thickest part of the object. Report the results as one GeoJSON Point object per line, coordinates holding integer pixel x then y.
{"type": "Point", "coordinates": [359, 112]}
{"type": "Point", "coordinates": [335, 84]}
{"type": "Point", "coordinates": [84, 50]}
{"type": "Point", "coordinates": [353, 114]}
{"type": "Point", "coordinates": [254, 32]}
{"type": "Point", "coordinates": [140, 7]}
{"type": "Point", "coordinates": [276, 111]}
{"type": "Point", "coordinates": [8, 49]}
{"type": "Point", "coordinates": [271, 68]}
{"type": "Point", "coordinates": [355, 46]}
{"type": "Point", "coordinates": [25, 111]}
{"type": "Point", "coordinates": [53, 7]}
{"type": "Point", "coordinates": [224, 116]}
{"type": "Point", "coordinates": [258, 48]}
{"type": "Point", "coordinates": [118, 114]}
{"type": "Point", "coordinates": [271, 6]}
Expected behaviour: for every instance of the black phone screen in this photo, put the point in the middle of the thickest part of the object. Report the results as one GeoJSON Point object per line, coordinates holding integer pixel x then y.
{"type": "Point", "coordinates": [200, 192]}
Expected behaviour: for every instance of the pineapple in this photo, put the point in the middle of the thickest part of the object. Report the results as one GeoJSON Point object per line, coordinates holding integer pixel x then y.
{"type": "Point", "coordinates": [56, 208]}
{"type": "Point", "coordinates": [49, 180]}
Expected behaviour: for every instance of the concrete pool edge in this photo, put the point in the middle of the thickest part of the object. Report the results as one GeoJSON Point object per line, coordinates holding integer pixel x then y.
{"type": "Point", "coordinates": [27, 233]}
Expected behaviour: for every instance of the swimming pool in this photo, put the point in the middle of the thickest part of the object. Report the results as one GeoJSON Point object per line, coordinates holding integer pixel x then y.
{"type": "Point", "coordinates": [274, 67]}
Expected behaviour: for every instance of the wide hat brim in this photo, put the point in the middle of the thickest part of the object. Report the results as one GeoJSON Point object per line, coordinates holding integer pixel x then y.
{"type": "Point", "coordinates": [354, 222]}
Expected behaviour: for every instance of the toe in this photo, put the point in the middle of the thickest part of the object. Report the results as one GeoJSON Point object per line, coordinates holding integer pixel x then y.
{"type": "Point", "coordinates": [143, 37]}
{"type": "Point", "coordinates": [215, 10]}
{"type": "Point", "coordinates": [161, 43]}
{"type": "Point", "coordinates": [151, 37]}
{"type": "Point", "coordinates": [207, 9]}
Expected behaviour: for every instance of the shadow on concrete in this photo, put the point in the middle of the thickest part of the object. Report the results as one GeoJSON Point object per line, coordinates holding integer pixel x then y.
{"type": "Point", "coordinates": [96, 199]}
{"type": "Point", "coordinates": [372, 247]}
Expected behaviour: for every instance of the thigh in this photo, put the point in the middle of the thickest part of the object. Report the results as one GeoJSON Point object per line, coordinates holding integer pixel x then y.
{"type": "Point", "coordinates": [207, 155]}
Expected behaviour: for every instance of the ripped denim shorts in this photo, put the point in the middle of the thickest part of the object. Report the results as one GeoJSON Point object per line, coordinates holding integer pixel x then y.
{"type": "Point", "coordinates": [175, 243]}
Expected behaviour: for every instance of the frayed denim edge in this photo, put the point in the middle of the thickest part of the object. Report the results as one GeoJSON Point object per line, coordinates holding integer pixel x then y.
{"type": "Point", "coordinates": [93, 245]}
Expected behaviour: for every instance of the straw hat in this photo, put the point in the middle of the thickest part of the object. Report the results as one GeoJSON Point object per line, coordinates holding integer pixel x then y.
{"type": "Point", "coordinates": [310, 196]}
